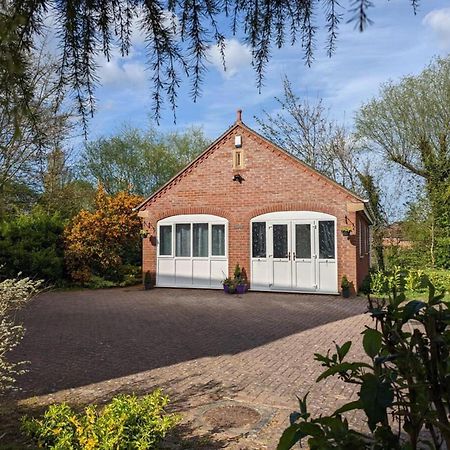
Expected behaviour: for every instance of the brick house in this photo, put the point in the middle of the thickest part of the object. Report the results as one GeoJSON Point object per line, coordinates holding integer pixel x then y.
{"type": "Point", "coordinates": [245, 200]}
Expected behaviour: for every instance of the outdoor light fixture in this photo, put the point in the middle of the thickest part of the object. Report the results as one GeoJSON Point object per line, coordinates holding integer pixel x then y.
{"type": "Point", "coordinates": [239, 178]}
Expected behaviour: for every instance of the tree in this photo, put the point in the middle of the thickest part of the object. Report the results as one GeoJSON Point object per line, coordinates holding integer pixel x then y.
{"type": "Point", "coordinates": [140, 162]}
{"type": "Point", "coordinates": [32, 244]}
{"type": "Point", "coordinates": [26, 140]}
{"type": "Point", "coordinates": [409, 126]}
{"type": "Point", "coordinates": [304, 129]}
{"type": "Point", "coordinates": [178, 35]}
{"type": "Point", "coordinates": [101, 242]}
{"type": "Point", "coordinates": [63, 193]}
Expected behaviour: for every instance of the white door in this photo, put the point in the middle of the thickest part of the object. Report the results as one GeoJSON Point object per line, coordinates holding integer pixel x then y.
{"type": "Point", "coordinates": [303, 256]}
{"type": "Point", "coordinates": [280, 237]}
{"type": "Point", "coordinates": [301, 252]}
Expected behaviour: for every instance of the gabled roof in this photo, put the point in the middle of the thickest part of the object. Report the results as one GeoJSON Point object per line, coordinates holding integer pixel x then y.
{"type": "Point", "coordinates": [238, 124]}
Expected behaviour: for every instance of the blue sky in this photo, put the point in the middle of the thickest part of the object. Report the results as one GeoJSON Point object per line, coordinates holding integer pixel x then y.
{"type": "Point", "coordinates": [398, 43]}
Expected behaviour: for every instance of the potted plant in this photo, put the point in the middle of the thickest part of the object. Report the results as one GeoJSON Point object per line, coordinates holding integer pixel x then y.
{"type": "Point", "coordinates": [240, 280]}
{"type": "Point", "coordinates": [143, 233]}
{"type": "Point", "coordinates": [345, 286]}
{"type": "Point", "coordinates": [148, 282]}
{"type": "Point", "coordinates": [228, 285]}
{"type": "Point", "coordinates": [346, 231]}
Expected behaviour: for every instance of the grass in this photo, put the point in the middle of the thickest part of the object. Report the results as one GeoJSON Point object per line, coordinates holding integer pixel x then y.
{"type": "Point", "coordinates": [417, 295]}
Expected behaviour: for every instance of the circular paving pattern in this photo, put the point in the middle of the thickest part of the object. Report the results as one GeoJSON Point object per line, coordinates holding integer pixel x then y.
{"type": "Point", "coordinates": [231, 416]}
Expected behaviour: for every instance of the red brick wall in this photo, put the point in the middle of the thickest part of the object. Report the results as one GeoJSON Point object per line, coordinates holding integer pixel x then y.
{"type": "Point", "coordinates": [273, 181]}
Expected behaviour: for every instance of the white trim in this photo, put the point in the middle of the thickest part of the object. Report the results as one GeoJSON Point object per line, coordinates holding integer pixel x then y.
{"type": "Point", "coordinates": [293, 215]}
{"type": "Point", "coordinates": [191, 218]}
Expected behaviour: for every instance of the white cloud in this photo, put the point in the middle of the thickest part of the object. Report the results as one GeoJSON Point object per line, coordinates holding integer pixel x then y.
{"type": "Point", "coordinates": [237, 57]}
{"type": "Point", "coordinates": [120, 72]}
{"type": "Point", "coordinates": [439, 21]}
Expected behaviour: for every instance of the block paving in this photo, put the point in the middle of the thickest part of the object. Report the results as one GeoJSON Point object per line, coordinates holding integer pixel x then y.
{"type": "Point", "coordinates": [201, 347]}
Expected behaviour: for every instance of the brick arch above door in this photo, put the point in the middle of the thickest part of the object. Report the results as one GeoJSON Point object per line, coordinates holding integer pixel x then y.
{"type": "Point", "coordinates": [296, 206]}
{"type": "Point", "coordinates": [190, 210]}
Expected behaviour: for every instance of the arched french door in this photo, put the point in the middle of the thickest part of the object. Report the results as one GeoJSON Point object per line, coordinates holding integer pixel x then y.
{"type": "Point", "coordinates": [294, 251]}
{"type": "Point", "coordinates": [192, 251]}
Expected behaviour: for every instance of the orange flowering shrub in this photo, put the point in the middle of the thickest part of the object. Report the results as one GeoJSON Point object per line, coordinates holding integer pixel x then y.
{"type": "Point", "coordinates": [102, 241]}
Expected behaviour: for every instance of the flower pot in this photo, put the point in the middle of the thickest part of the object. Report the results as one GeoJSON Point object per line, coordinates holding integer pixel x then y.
{"type": "Point", "coordinates": [346, 232]}
{"type": "Point", "coordinates": [241, 288]}
{"type": "Point", "coordinates": [346, 292]}
{"type": "Point", "coordinates": [226, 289]}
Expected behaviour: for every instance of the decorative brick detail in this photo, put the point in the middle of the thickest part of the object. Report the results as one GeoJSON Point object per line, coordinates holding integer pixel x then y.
{"type": "Point", "coordinates": [273, 181]}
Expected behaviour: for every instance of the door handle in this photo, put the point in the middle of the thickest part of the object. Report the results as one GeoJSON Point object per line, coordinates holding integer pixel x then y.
{"type": "Point", "coordinates": [293, 256]}
{"type": "Point", "coordinates": [289, 256]}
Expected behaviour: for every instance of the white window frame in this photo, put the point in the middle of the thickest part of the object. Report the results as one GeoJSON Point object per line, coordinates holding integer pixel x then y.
{"type": "Point", "coordinates": [190, 219]}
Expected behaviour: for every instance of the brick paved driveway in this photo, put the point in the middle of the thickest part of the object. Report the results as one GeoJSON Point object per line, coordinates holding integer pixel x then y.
{"type": "Point", "coordinates": [81, 337]}
{"type": "Point", "coordinates": [201, 346]}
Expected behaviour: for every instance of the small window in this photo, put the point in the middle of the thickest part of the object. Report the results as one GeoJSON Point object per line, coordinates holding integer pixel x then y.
{"type": "Point", "coordinates": [165, 240]}
{"type": "Point", "coordinates": [303, 240]}
{"type": "Point", "coordinates": [326, 239]}
{"type": "Point", "coordinates": [238, 159]}
{"type": "Point", "coordinates": [259, 239]}
{"type": "Point", "coordinates": [280, 241]}
{"type": "Point", "coordinates": [183, 239]}
{"type": "Point", "coordinates": [200, 239]}
{"type": "Point", "coordinates": [217, 240]}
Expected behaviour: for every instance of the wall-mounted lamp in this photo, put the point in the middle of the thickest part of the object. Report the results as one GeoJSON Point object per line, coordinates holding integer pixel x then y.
{"type": "Point", "coordinates": [239, 178]}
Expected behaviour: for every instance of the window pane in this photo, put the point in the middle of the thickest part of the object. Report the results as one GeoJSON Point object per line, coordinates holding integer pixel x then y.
{"type": "Point", "coordinates": [326, 239]}
{"type": "Point", "coordinates": [165, 240]}
{"type": "Point", "coordinates": [259, 239]}
{"type": "Point", "coordinates": [280, 241]}
{"type": "Point", "coordinates": [200, 239]}
{"type": "Point", "coordinates": [183, 239]}
{"type": "Point", "coordinates": [218, 240]}
{"type": "Point", "coordinates": [303, 240]}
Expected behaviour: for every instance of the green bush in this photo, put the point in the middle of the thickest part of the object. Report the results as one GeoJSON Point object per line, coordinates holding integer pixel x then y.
{"type": "Point", "coordinates": [32, 244]}
{"type": "Point", "coordinates": [403, 381]}
{"type": "Point", "coordinates": [127, 422]}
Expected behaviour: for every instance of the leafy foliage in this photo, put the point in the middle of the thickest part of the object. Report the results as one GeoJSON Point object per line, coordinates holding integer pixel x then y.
{"type": "Point", "coordinates": [140, 162]}
{"type": "Point", "coordinates": [406, 378]}
{"type": "Point", "coordinates": [102, 241]}
{"type": "Point", "coordinates": [127, 423]}
{"type": "Point", "coordinates": [14, 294]}
{"type": "Point", "coordinates": [32, 244]}
{"type": "Point", "coordinates": [408, 125]}
{"type": "Point", "coordinates": [177, 38]}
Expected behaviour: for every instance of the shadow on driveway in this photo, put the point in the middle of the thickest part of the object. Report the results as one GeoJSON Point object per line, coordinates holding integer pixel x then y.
{"type": "Point", "coordinates": [81, 337]}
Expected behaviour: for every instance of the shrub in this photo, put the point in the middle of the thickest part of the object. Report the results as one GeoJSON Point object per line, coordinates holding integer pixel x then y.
{"type": "Point", "coordinates": [14, 294]}
{"type": "Point", "coordinates": [127, 422]}
{"type": "Point", "coordinates": [32, 245]}
{"type": "Point", "coordinates": [405, 376]}
{"type": "Point", "coordinates": [99, 243]}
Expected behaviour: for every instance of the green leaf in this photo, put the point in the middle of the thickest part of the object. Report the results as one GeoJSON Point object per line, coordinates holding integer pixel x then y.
{"type": "Point", "coordinates": [343, 350]}
{"type": "Point", "coordinates": [411, 309]}
{"type": "Point", "coordinates": [294, 416]}
{"type": "Point", "coordinates": [310, 429]}
{"type": "Point", "coordinates": [342, 368]}
{"type": "Point", "coordinates": [291, 435]}
{"type": "Point", "coordinates": [375, 397]}
{"type": "Point", "coordinates": [348, 407]}
{"type": "Point", "coordinates": [372, 342]}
